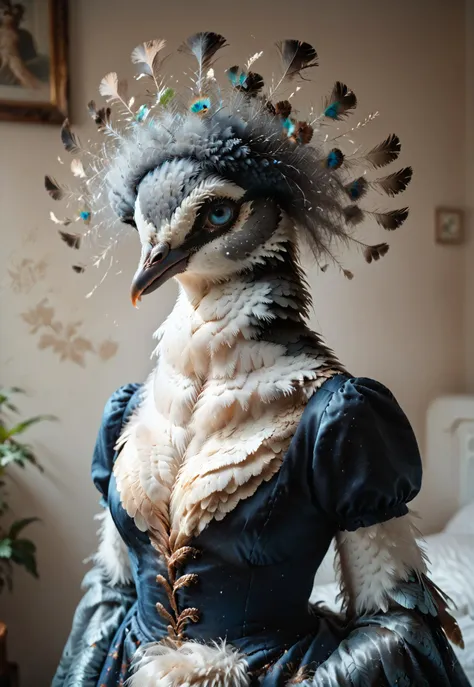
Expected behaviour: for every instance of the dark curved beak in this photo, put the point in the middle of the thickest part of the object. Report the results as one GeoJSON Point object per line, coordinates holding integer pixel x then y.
{"type": "Point", "coordinates": [160, 264]}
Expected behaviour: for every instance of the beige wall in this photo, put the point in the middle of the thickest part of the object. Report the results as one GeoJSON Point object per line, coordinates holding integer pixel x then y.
{"type": "Point", "coordinates": [400, 321]}
{"type": "Point", "coordinates": [469, 157]}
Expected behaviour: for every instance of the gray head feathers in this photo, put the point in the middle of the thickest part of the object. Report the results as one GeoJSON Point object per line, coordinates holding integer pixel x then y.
{"type": "Point", "coordinates": [238, 134]}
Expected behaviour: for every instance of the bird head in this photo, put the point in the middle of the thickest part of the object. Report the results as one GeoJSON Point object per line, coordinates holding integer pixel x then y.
{"type": "Point", "coordinates": [197, 223]}
{"type": "Point", "coordinates": [216, 185]}
{"type": "Point", "coordinates": [209, 196]}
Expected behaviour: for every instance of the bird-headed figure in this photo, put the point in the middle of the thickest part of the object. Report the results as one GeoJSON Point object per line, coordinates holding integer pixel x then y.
{"type": "Point", "coordinates": [249, 433]}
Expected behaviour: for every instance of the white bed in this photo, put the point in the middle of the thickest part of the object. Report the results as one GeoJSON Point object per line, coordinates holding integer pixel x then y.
{"type": "Point", "coordinates": [449, 484]}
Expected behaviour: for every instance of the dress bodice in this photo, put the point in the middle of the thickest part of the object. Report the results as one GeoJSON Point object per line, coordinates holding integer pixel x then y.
{"type": "Point", "coordinates": [258, 563]}
{"type": "Point", "coordinates": [241, 586]}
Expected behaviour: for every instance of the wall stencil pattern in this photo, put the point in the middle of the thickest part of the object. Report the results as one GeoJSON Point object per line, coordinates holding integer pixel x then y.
{"type": "Point", "coordinates": [26, 273]}
{"type": "Point", "coordinates": [65, 338]}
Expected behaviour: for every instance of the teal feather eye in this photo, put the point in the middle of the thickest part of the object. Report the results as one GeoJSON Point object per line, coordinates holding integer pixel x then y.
{"type": "Point", "coordinates": [221, 214]}
{"type": "Point", "coordinates": [200, 105]}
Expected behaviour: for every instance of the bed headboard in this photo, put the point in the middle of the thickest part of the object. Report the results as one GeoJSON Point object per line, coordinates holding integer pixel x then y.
{"type": "Point", "coordinates": [449, 460]}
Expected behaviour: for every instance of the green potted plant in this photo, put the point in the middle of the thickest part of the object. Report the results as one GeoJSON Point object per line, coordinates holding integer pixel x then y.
{"type": "Point", "coordinates": [15, 549]}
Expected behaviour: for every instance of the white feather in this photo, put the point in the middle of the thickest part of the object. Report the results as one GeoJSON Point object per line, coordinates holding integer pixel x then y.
{"type": "Point", "coordinates": [77, 168]}
{"type": "Point", "coordinates": [112, 554]}
{"type": "Point", "coordinates": [147, 54]}
{"type": "Point", "coordinates": [374, 559]}
{"type": "Point", "coordinates": [256, 56]}
{"type": "Point", "coordinates": [189, 665]}
{"type": "Point", "coordinates": [63, 222]}
{"type": "Point", "coordinates": [113, 88]}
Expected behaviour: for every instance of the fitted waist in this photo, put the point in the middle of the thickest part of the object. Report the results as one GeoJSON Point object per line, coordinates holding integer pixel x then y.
{"type": "Point", "coordinates": [260, 649]}
{"type": "Point", "coordinates": [216, 623]}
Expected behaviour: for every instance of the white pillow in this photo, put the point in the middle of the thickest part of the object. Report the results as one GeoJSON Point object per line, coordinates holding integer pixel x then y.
{"type": "Point", "coordinates": [326, 573]}
{"type": "Point", "coordinates": [462, 522]}
{"type": "Point", "coordinates": [451, 567]}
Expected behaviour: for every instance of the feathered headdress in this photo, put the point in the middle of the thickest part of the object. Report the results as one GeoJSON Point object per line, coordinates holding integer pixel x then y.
{"type": "Point", "coordinates": [240, 131]}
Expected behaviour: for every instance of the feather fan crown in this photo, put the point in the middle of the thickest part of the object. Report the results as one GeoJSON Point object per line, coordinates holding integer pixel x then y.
{"type": "Point", "coordinates": [238, 131]}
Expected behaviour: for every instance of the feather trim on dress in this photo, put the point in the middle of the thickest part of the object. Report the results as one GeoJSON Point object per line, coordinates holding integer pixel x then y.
{"type": "Point", "coordinates": [112, 553]}
{"type": "Point", "coordinates": [373, 560]}
{"type": "Point", "coordinates": [189, 665]}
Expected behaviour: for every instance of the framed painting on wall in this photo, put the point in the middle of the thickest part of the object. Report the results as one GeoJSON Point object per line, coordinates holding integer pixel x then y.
{"type": "Point", "coordinates": [449, 225]}
{"type": "Point", "coordinates": [33, 60]}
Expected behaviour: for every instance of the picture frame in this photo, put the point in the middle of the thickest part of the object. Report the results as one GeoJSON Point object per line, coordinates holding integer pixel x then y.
{"type": "Point", "coordinates": [449, 225]}
{"type": "Point", "coordinates": [34, 61]}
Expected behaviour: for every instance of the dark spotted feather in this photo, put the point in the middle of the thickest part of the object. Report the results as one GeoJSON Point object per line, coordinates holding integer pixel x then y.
{"type": "Point", "coordinates": [204, 46]}
{"type": "Point", "coordinates": [56, 191]}
{"type": "Point", "coordinates": [375, 252]}
{"type": "Point", "coordinates": [357, 188]}
{"type": "Point", "coordinates": [391, 220]}
{"type": "Point", "coordinates": [335, 159]}
{"type": "Point", "coordinates": [303, 133]}
{"type": "Point", "coordinates": [296, 56]}
{"type": "Point", "coordinates": [71, 240]}
{"type": "Point", "coordinates": [70, 140]}
{"type": "Point", "coordinates": [100, 116]}
{"type": "Point", "coordinates": [353, 214]}
{"type": "Point", "coordinates": [396, 182]}
{"type": "Point", "coordinates": [283, 108]}
{"type": "Point", "coordinates": [253, 83]}
{"type": "Point", "coordinates": [385, 152]}
{"type": "Point", "coordinates": [340, 102]}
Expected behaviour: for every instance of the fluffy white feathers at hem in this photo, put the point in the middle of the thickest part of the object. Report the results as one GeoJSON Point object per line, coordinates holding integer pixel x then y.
{"type": "Point", "coordinates": [112, 554]}
{"type": "Point", "coordinates": [372, 560]}
{"type": "Point", "coordinates": [189, 665]}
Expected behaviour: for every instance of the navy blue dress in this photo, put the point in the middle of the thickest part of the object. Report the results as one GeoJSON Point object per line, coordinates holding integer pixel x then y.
{"type": "Point", "coordinates": [353, 462]}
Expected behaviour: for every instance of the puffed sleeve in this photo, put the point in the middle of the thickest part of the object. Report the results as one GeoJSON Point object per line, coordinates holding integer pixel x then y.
{"type": "Point", "coordinates": [116, 409]}
{"type": "Point", "coordinates": [366, 461]}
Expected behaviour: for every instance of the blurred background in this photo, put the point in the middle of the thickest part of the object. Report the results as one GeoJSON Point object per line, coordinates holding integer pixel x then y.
{"type": "Point", "coordinates": [407, 321]}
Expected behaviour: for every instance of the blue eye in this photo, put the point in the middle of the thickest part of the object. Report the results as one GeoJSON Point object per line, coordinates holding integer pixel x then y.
{"type": "Point", "coordinates": [221, 214]}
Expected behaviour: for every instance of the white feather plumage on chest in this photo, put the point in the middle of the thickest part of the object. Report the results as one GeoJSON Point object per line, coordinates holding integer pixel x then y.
{"type": "Point", "coordinates": [217, 415]}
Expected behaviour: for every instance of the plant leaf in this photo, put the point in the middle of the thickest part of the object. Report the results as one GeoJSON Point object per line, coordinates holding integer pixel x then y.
{"type": "Point", "coordinates": [5, 548]}
{"type": "Point", "coordinates": [19, 525]}
{"type": "Point", "coordinates": [26, 424]}
{"type": "Point", "coordinates": [14, 452]}
{"type": "Point", "coordinates": [23, 553]}
{"type": "Point", "coordinates": [6, 394]}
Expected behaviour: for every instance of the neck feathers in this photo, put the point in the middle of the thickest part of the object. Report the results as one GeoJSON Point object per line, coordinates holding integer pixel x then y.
{"type": "Point", "coordinates": [236, 364]}
{"type": "Point", "coordinates": [268, 302]}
